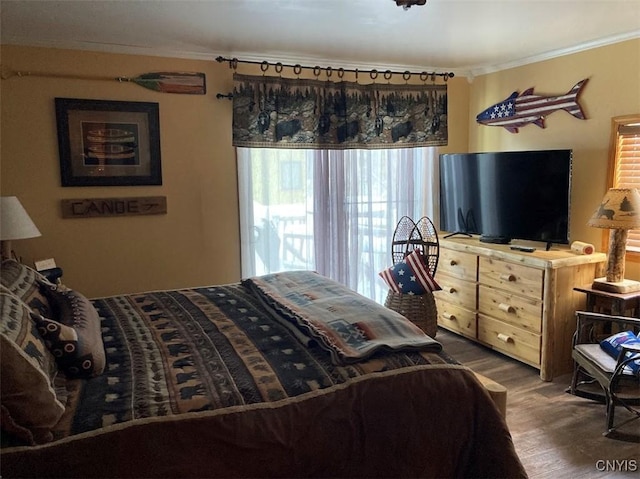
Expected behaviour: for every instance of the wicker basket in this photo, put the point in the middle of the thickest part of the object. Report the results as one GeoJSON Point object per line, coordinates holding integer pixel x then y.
{"type": "Point", "coordinates": [419, 309]}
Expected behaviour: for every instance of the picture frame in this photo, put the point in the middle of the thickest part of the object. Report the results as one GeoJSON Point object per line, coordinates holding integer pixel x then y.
{"type": "Point", "coordinates": [108, 143]}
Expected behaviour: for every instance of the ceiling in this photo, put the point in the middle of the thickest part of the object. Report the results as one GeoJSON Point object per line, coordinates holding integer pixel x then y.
{"type": "Point", "coordinates": [467, 37]}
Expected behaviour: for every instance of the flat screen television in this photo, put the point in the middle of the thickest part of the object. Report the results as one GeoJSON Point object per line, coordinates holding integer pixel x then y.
{"type": "Point", "coordinates": [507, 195]}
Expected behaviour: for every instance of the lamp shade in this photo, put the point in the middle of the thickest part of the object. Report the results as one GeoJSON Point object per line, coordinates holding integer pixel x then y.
{"type": "Point", "coordinates": [15, 222]}
{"type": "Point", "coordinates": [619, 209]}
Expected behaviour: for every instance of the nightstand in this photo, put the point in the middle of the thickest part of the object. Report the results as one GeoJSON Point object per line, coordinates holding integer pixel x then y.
{"type": "Point", "coordinates": [615, 304]}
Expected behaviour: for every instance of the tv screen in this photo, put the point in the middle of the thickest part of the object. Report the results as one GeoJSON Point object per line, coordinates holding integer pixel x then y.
{"type": "Point", "coordinates": [507, 195]}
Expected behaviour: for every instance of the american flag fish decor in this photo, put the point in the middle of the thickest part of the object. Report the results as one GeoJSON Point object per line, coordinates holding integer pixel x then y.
{"type": "Point", "coordinates": [520, 110]}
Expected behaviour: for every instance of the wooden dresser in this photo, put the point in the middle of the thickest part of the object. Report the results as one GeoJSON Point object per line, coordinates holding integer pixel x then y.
{"type": "Point", "coordinates": [521, 304]}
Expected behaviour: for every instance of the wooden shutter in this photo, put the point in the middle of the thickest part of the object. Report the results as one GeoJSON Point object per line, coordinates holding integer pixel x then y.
{"type": "Point", "coordinates": [627, 169]}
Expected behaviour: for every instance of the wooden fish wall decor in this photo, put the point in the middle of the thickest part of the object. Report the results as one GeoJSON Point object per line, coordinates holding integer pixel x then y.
{"type": "Point", "coordinates": [520, 110]}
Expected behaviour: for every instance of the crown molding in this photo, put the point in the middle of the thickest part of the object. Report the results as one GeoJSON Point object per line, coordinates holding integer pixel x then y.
{"type": "Point", "coordinates": [470, 72]}
{"type": "Point", "coordinates": [271, 57]}
{"type": "Point", "coordinates": [111, 48]}
{"type": "Point", "coordinates": [479, 70]}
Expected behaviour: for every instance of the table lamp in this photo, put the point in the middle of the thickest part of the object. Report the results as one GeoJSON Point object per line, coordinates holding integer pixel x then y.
{"type": "Point", "coordinates": [620, 212]}
{"type": "Point", "coordinates": [15, 224]}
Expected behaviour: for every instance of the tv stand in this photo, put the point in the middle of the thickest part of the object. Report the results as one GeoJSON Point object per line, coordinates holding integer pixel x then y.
{"type": "Point", "coordinates": [458, 233]}
{"type": "Point", "coordinates": [520, 304]}
{"type": "Point", "coordinates": [494, 239]}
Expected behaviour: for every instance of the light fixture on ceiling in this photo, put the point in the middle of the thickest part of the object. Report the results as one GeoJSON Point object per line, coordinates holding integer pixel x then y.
{"type": "Point", "coordinates": [407, 4]}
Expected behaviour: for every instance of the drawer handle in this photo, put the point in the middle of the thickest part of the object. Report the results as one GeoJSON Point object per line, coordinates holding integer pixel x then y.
{"type": "Point", "coordinates": [507, 308]}
{"type": "Point", "coordinates": [450, 289]}
{"type": "Point", "coordinates": [508, 277]}
{"type": "Point", "coordinates": [449, 316]}
{"type": "Point", "coordinates": [505, 338]}
{"type": "Point", "coordinates": [453, 262]}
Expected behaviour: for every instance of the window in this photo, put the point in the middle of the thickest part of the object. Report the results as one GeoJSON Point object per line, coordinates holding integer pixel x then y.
{"type": "Point", "coordinates": [624, 167]}
{"type": "Point", "coordinates": [332, 211]}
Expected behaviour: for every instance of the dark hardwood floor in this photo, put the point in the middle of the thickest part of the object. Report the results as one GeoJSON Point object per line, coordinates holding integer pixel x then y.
{"type": "Point", "coordinates": [556, 435]}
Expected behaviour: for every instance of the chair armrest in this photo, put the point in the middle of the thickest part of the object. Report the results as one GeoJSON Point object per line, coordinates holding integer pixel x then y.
{"type": "Point", "coordinates": [594, 327]}
{"type": "Point", "coordinates": [630, 348]}
{"type": "Point", "coordinates": [628, 353]}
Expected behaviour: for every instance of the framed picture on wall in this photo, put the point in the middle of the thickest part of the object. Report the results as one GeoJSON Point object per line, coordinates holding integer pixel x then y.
{"type": "Point", "coordinates": [108, 143]}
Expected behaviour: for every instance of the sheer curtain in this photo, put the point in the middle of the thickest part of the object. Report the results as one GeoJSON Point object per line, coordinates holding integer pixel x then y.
{"type": "Point", "coordinates": [332, 211]}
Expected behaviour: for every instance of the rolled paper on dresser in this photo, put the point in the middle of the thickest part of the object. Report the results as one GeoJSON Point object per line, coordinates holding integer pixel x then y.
{"type": "Point", "coordinates": [582, 248]}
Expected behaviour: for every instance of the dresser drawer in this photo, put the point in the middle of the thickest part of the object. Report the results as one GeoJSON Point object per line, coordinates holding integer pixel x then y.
{"type": "Point", "coordinates": [515, 278]}
{"type": "Point", "coordinates": [456, 318]}
{"type": "Point", "coordinates": [457, 291]}
{"type": "Point", "coordinates": [515, 342]}
{"type": "Point", "coordinates": [522, 312]}
{"type": "Point", "coordinates": [458, 264]}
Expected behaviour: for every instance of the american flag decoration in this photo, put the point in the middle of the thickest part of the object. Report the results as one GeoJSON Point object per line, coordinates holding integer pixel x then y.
{"type": "Point", "coordinates": [410, 276]}
{"type": "Point", "coordinates": [520, 110]}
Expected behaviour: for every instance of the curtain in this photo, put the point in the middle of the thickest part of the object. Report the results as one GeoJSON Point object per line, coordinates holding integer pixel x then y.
{"type": "Point", "coordinates": [332, 211]}
{"type": "Point", "coordinates": [277, 112]}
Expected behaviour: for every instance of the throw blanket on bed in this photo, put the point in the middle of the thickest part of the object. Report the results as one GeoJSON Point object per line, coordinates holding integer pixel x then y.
{"type": "Point", "coordinates": [348, 325]}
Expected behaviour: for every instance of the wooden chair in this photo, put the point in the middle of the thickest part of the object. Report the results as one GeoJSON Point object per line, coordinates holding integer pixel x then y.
{"type": "Point", "coordinates": [592, 365]}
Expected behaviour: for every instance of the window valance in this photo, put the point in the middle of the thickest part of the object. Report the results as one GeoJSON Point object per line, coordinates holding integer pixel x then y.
{"type": "Point", "coordinates": [275, 112]}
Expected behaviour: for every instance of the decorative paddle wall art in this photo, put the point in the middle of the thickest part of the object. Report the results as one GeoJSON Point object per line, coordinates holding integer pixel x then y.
{"type": "Point", "coordinates": [520, 110]}
{"type": "Point", "coordinates": [164, 82]}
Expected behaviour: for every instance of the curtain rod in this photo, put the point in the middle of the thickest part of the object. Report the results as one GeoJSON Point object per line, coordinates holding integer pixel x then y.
{"type": "Point", "coordinates": [317, 70]}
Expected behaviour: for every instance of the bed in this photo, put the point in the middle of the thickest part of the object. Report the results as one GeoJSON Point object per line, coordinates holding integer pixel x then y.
{"type": "Point", "coordinates": [285, 375]}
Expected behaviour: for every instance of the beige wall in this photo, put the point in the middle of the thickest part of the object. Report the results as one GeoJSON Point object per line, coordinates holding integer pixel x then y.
{"type": "Point", "coordinates": [197, 241]}
{"type": "Point", "coordinates": [613, 89]}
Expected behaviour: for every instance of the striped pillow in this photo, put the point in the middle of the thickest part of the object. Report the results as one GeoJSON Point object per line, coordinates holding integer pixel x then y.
{"type": "Point", "coordinates": [410, 276]}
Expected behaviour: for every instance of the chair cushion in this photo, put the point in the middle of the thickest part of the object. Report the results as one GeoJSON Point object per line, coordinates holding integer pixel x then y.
{"type": "Point", "coordinates": [410, 276]}
{"type": "Point", "coordinates": [596, 355]}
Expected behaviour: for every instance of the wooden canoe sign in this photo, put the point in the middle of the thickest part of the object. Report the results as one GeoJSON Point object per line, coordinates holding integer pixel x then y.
{"type": "Point", "coordinates": [108, 207]}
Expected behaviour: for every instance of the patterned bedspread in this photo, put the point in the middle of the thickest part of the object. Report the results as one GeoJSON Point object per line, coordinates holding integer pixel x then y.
{"type": "Point", "coordinates": [172, 352]}
{"type": "Point", "coordinates": [204, 382]}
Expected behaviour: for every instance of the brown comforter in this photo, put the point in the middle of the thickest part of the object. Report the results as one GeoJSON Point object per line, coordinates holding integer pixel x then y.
{"type": "Point", "coordinates": [204, 383]}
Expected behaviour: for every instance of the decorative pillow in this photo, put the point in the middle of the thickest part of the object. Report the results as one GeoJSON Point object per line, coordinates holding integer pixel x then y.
{"type": "Point", "coordinates": [26, 284]}
{"type": "Point", "coordinates": [27, 372]}
{"type": "Point", "coordinates": [410, 276]}
{"type": "Point", "coordinates": [73, 333]}
{"type": "Point", "coordinates": [613, 345]}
